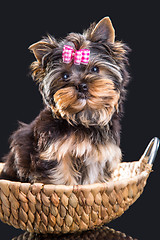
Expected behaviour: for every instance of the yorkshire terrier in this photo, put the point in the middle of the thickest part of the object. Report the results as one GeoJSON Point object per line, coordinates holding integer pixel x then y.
{"type": "Point", "coordinates": [76, 138]}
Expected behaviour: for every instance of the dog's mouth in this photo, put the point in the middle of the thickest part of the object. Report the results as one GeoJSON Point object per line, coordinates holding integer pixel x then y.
{"type": "Point", "coordinates": [67, 101]}
{"type": "Point", "coordinates": [96, 106]}
{"type": "Point", "coordinates": [81, 95]}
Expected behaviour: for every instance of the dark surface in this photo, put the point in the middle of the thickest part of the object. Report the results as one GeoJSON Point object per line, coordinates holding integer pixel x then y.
{"type": "Point", "coordinates": [102, 233]}
{"type": "Point", "coordinates": [136, 24]}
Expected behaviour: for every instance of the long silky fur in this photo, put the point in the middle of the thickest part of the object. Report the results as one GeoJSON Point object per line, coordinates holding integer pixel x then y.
{"type": "Point", "coordinates": [76, 138]}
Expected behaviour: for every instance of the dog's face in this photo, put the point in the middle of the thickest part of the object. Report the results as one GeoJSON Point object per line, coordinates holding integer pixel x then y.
{"type": "Point", "coordinates": [87, 94]}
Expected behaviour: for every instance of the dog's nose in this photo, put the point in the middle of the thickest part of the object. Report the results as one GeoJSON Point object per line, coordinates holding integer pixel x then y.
{"type": "Point", "coordinates": [82, 87]}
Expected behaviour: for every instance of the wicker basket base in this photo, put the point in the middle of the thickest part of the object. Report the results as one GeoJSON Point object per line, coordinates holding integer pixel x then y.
{"type": "Point", "coordinates": [44, 208]}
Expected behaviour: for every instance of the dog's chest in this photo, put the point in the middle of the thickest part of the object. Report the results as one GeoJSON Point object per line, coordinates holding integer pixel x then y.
{"type": "Point", "coordinates": [76, 147]}
{"type": "Point", "coordinates": [79, 159]}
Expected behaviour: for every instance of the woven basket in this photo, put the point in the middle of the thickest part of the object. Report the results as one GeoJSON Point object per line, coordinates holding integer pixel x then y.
{"type": "Point", "coordinates": [47, 208]}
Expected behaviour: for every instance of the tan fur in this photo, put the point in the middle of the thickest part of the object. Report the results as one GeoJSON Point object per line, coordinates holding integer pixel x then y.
{"type": "Point", "coordinates": [89, 151]}
{"type": "Point", "coordinates": [101, 102]}
{"type": "Point", "coordinates": [67, 150]}
{"type": "Point", "coordinates": [37, 71]}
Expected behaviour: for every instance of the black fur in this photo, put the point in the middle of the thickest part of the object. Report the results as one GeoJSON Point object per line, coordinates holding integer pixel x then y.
{"type": "Point", "coordinates": [23, 162]}
{"type": "Point", "coordinates": [30, 140]}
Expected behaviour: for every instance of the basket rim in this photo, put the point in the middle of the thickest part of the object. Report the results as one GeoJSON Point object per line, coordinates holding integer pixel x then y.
{"type": "Point", "coordinates": [76, 188]}
{"type": "Point", "coordinates": [148, 158]}
{"type": "Point", "coordinates": [49, 208]}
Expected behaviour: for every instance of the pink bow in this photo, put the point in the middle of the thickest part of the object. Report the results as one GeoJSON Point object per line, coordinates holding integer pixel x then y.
{"type": "Point", "coordinates": [80, 56]}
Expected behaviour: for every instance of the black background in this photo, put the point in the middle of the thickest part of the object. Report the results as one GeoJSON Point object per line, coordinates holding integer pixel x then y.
{"type": "Point", "coordinates": [136, 23]}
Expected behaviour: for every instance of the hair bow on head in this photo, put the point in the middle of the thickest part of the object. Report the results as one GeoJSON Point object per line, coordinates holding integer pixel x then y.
{"type": "Point", "coordinates": [80, 56]}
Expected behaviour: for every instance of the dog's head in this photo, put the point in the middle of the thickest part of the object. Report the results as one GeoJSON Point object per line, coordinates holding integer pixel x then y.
{"type": "Point", "coordinates": [85, 93]}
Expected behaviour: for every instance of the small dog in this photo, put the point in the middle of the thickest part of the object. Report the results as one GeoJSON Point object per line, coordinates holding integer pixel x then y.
{"type": "Point", "coordinates": [76, 138]}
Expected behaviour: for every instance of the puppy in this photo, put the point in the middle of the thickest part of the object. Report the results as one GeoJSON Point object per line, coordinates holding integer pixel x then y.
{"type": "Point", "coordinates": [76, 138]}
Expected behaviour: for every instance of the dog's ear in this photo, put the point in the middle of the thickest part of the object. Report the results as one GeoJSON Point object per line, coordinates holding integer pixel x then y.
{"type": "Point", "coordinates": [43, 48]}
{"type": "Point", "coordinates": [41, 51]}
{"type": "Point", "coordinates": [103, 31]}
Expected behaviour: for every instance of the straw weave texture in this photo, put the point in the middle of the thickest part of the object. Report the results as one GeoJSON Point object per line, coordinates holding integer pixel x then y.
{"type": "Point", "coordinates": [43, 208]}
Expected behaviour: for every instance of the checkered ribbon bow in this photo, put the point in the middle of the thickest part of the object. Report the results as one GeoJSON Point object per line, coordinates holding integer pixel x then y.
{"type": "Point", "coordinates": [80, 56]}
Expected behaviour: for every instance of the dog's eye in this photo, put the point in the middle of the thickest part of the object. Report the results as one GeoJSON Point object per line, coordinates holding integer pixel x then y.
{"type": "Point", "coordinates": [95, 69]}
{"type": "Point", "coordinates": [65, 76]}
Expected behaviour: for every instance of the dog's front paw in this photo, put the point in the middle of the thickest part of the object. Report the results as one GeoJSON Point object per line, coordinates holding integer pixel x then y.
{"type": "Point", "coordinates": [113, 159]}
